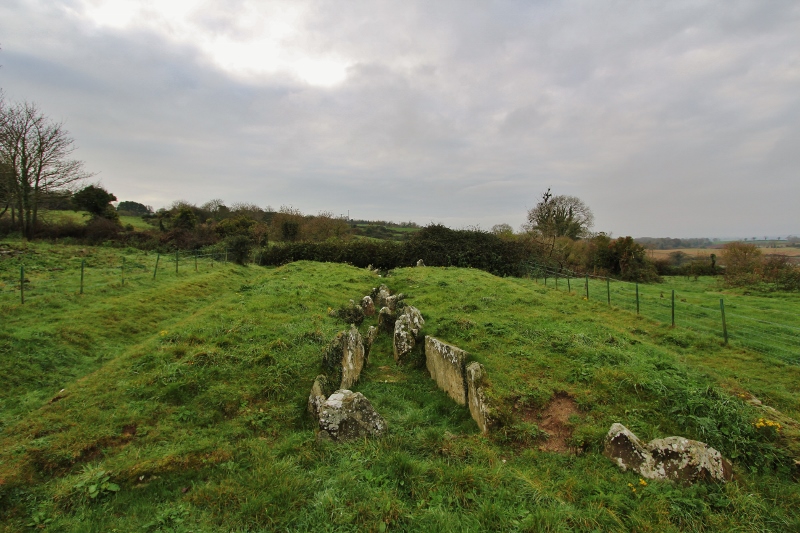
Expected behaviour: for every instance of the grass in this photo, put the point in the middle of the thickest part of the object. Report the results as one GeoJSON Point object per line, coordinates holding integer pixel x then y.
{"type": "Point", "coordinates": [189, 394]}
{"type": "Point", "coordinates": [763, 321]}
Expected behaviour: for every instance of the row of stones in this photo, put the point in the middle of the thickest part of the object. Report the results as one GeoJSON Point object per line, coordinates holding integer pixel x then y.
{"type": "Point", "coordinates": [343, 414]}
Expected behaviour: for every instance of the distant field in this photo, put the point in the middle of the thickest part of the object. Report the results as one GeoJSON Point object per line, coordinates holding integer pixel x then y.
{"type": "Point", "coordinates": [705, 252]}
{"type": "Point", "coordinates": [80, 217]}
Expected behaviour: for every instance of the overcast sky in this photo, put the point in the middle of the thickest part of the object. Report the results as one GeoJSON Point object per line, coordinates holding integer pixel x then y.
{"type": "Point", "coordinates": [669, 118]}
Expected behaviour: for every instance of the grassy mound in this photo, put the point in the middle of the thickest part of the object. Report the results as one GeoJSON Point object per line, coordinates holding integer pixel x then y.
{"type": "Point", "coordinates": [184, 401]}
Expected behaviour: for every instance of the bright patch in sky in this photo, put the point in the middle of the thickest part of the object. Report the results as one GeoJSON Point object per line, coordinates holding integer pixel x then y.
{"type": "Point", "coordinates": [257, 41]}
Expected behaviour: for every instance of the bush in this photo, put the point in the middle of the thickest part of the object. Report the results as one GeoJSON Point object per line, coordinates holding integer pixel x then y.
{"type": "Point", "coordinates": [239, 248]}
{"type": "Point", "coordinates": [435, 245]}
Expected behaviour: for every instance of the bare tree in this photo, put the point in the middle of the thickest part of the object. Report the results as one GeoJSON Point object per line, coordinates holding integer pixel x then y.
{"type": "Point", "coordinates": [36, 152]}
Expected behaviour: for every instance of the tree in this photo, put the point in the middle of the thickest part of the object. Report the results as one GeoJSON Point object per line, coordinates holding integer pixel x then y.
{"type": "Point", "coordinates": [134, 208]}
{"type": "Point", "coordinates": [561, 216]}
{"type": "Point", "coordinates": [37, 153]}
{"type": "Point", "coordinates": [97, 201]}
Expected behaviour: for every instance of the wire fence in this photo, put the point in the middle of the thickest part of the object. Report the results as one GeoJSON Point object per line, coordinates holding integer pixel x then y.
{"type": "Point", "coordinates": [94, 274]}
{"type": "Point", "coordinates": [764, 329]}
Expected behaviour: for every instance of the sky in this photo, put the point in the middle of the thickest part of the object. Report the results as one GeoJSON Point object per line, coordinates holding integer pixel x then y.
{"type": "Point", "coordinates": [671, 118]}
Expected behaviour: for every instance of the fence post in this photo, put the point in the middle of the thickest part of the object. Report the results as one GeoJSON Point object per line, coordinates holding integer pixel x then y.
{"type": "Point", "coordinates": [176, 261]}
{"type": "Point", "coordinates": [608, 290]}
{"type": "Point", "coordinates": [587, 286]}
{"type": "Point", "coordinates": [83, 264]}
{"type": "Point", "coordinates": [195, 260]}
{"type": "Point", "coordinates": [226, 255]}
{"type": "Point", "coordinates": [673, 308]}
{"type": "Point", "coordinates": [155, 270]}
{"type": "Point", "coordinates": [724, 325]}
{"type": "Point", "coordinates": [22, 284]}
{"type": "Point", "coordinates": [569, 289]}
{"type": "Point", "coordinates": [637, 298]}
{"type": "Point", "coordinates": [556, 280]}
{"type": "Point", "coordinates": [123, 270]}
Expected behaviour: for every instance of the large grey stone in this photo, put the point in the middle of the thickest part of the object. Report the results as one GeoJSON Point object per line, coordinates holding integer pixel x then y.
{"type": "Point", "coordinates": [348, 415]}
{"type": "Point", "coordinates": [672, 458]}
{"type": "Point", "coordinates": [369, 340]}
{"type": "Point", "coordinates": [386, 320]}
{"type": "Point", "coordinates": [476, 396]}
{"type": "Point", "coordinates": [379, 296]}
{"type": "Point", "coordinates": [352, 358]}
{"type": "Point", "coordinates": [446, 365]}
{"type": "Point", "coordinates": [344, 358]}
{"type": "Point", "coordinates": [368, 306]}
{"type": "Point", "coordinates": [407, 332]}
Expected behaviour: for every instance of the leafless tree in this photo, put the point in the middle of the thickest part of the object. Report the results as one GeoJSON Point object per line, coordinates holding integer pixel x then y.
{"type": "Point", "coordinates": [36, 152]}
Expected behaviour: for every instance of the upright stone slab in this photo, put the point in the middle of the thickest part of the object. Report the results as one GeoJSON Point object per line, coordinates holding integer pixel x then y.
{"type": "Point", "coordinates": [380, 295]}
{"type": "Point", "coordinates": [386, 320]}
{"type": "Point", "coordinates": [319, 393]}
{"type": "Point", "coordinates": [352, 358]}
{"type": "Point", "coordinates": [368, 306]}
{"type": "Point", "coordinates": [446, 364]}
{"type": "Point", "coordinates": [476, 396]}
{"type": "Point", "coordinates": [344, 358]}
{"type": "Point", "coordinates": [407, 331]}
{"type": "Point", "coordinates": [369, 340]}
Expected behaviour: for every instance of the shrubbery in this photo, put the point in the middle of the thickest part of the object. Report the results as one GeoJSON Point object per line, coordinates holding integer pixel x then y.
{"type": "Point", "coordinates": [436, 245]}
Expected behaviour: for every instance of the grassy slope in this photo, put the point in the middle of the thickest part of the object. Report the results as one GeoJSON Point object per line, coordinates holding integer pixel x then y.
{"type": "Point", "coordinates": [197, 413]}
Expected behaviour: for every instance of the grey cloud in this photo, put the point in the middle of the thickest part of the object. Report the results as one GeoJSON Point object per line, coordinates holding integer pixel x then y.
{"type": "Point", "coordinates": [665, 118]}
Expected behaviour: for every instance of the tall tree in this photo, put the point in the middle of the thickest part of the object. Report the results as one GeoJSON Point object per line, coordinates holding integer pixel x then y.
{"type": "Point", "coordinates": [561, 216]}
{"type": "Point", "coordinates": [37, 153]}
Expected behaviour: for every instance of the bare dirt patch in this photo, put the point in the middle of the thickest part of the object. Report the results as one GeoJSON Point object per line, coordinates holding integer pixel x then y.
{"type": "Point", "coordinates": [554, 419]}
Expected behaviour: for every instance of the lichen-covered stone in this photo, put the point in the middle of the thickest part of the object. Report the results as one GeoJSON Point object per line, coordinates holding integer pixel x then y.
{"type": "Point", "coordinates": [368, 306]}
{"type": "Point", "coordinates": [386, 320]}
{"type": "Point", "coordinates": [688, 461]}
{"type": "Point", "coordinates": [352, 358]}
{"type": "Point", "coordinates": [476, 396]}
{"type": "Point", "coordinates": [348, 415]}
{"type": "Point", "coordinates": [391, 302]}
{"type": "Point", "coordinates": [320, 390]}
{"type": "Point", "coordinates": [446, 365]}
{"type": "Point", "coordinates": [344, 358]}
{"type": "Point", "coordinates": [407, 332]}
{"type": "Point", "coordinates": [672, 458]}
{"type": "Point", "coordinates": [379, 296]}
{"type": "Point", "coordinates": [369, 340]}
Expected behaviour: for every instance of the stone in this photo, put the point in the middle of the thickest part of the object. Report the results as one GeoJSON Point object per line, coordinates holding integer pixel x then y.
{"type": "Point", "coordinates": [344, 358]}
{"type": "Point", "coordinates": [476, 396]}
{"type": "Point", "coordinates": [420, 263]}
{"type": "Point", "coordinates": [380, 295]}
{"type": "Point", "coordinates": [446, 365]}
{"type": "Point", "coordinates": [673, 458]}
{"type": "Point", "coordinates": [352, 358]}
{"type": "Point", "coordinates": [407, 332]}
{"type": "Point", "coordinates": [348, 415]}
{"type": "Point", "coordinates": [386, 320]}
{"type": "Point", "coordinates": [369, 340]}
{"type": "Point", "coordinates": [368, 306]}
{"type": "Point", "coordinates": [320, 391]}
{"type": "Point", "coordinates": [391, 303]}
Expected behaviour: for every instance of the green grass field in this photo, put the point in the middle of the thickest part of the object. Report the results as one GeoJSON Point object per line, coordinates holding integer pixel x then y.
{"type": "Point", "coordinates": [767, 322]}
{"type": "Point", "coordinates": [178, 404]}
